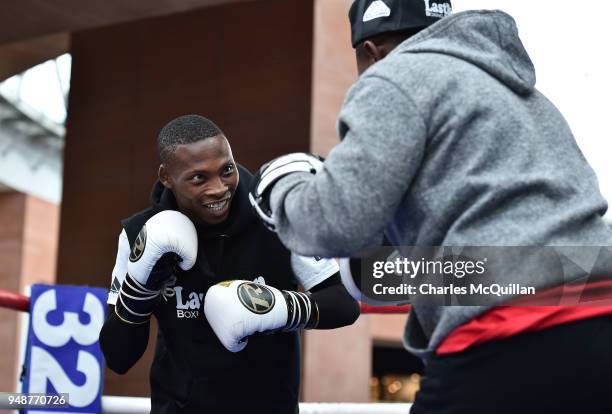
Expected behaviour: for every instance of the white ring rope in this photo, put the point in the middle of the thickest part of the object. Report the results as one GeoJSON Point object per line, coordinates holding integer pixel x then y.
{"type": "Point", "coordinates": [136, 405]}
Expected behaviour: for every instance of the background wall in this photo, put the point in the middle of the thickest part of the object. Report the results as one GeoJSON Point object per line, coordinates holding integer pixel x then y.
{"type": "Point", "coordinates": [28, 251]}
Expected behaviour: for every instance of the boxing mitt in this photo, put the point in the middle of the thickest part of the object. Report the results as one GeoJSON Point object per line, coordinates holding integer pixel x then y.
{"type": "Point", "coordinates": [270, 173]}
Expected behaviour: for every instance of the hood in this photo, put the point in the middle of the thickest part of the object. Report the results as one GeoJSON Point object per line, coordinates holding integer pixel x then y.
{"type": "Point", "coordinates": [241, 215]}
{"type": "Point", "coordinates": [487, 39]}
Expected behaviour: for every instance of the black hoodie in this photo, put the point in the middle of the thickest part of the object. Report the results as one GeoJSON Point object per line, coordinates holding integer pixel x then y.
{"type": "Point", "coordinates": [192, 372]}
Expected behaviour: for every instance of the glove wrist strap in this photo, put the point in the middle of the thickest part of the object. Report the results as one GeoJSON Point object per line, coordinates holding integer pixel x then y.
{"type": "Point", "coordinates": [302, 312]}
{"type": "Point", "coordinates": [135, 303]}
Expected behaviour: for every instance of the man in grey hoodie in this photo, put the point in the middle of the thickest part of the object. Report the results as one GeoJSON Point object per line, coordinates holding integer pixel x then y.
{"type": "Point", "coordinates": [446, 142]}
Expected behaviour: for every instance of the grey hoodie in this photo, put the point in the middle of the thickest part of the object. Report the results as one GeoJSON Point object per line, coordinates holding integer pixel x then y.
{"type": "Point", "coordinates": [446, 142]}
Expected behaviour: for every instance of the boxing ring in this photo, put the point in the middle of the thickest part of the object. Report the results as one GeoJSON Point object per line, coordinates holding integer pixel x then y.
{"type": "Point", "coordinates": [139, 405]}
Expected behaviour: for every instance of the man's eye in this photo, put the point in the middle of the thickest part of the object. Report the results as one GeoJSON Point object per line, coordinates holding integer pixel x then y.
{"type": "Point", "coordinates": [228, 169]}
{"type": "Point", "coordinates": [197, 178]}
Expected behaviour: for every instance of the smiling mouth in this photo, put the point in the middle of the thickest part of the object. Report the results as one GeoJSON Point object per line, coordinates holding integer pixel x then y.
{"type": "Point", "coordinates": [217, 205]}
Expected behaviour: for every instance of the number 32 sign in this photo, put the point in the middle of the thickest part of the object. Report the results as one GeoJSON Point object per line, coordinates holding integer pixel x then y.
{"type": "Point", "coordinates": [62, 351]}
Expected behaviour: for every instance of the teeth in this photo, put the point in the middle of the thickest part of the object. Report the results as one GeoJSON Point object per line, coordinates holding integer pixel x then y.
{"type": "Point", "coordinates": [217, 206]}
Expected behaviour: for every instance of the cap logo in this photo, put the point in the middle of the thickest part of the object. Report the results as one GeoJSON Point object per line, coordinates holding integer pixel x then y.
{"type": "Point", "coordinates": [377, 9]}
{"type": "Point", "coordinates": [437, 9]}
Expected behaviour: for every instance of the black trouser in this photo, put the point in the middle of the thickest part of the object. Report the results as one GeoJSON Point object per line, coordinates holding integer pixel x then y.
{"type": "Point", "coordinates": [563, 369]}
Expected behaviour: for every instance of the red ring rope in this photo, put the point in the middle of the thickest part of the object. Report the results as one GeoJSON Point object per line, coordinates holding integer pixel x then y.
{"type": "Point", "coordinates": [14, 301]}
{"type": "Point", "coordinates": [18, 302]}
{"type": "Point", "coordinates": [367, 309]}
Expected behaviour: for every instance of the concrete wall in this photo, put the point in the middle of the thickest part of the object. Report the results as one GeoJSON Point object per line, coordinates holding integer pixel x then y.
{"type": "Point", "coordinates": [334, 70]}
{"type": "Point", "coordinates": [28, 251]}
{"type": "Point", "coordinates": [337, 363]}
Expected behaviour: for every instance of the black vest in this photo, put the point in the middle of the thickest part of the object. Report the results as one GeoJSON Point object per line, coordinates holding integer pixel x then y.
{"type": "Point", "coordinates": [192, 372]}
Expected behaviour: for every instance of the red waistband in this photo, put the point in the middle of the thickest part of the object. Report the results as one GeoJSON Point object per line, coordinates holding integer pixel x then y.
{"type": "Point", "coordinates": [572, 303]}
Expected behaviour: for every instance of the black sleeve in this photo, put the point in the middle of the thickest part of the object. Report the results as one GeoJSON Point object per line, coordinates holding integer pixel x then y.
{"type": "Point", "coordinates": [336, 307]}
{"type": "Point", "coordinates": [122, 344]}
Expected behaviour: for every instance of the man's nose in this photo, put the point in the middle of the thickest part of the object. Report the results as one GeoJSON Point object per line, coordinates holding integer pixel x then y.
{"type": "Point", "coordinates": [217, 188]}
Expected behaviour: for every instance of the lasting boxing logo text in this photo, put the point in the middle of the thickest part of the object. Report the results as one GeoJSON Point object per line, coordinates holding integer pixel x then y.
{"type": "Point", "coordinates": [188, 305]}
{"type": "Point", "coordinates": [437, 9]}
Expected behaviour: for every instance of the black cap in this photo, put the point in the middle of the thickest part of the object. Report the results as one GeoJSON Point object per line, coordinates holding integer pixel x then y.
{"type": "Point", "coordinates": [373, 17]}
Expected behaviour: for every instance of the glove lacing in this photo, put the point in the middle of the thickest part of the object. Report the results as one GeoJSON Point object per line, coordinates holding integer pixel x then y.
{"type": "Point", "coordinates": [167, 290]}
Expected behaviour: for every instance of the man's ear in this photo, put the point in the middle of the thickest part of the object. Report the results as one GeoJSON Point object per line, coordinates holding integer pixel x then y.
{"type": "Point", "coordinates": [164, 177]}
{"type": "Point", "coordinates": [373, 52]}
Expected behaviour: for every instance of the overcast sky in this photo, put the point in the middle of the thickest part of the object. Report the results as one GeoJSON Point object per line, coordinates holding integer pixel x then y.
{"type": "Point", "coordinates": [569, 45]}
{"type": "Point", "coordinates": [42, 87]}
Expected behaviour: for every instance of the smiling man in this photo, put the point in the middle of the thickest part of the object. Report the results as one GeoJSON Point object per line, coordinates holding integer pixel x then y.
{"type": "Point", "coordinates": [213, 276]}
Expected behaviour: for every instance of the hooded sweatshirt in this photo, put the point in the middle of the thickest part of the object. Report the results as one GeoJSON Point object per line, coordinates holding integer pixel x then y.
{"type": "Point", "coordinates": [447, 142]}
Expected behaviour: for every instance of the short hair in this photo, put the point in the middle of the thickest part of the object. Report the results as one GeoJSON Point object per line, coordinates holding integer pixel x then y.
{"type": "Point", "coordinates": [185, 129]}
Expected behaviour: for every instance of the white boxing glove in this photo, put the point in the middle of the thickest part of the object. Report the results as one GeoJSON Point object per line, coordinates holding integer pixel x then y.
{"type": "Point", "coordinates": [166, 232]}
{"type": "Point", "coordinates": [166, 240]}
{"type": "Point", "coordinates": [236, 309]}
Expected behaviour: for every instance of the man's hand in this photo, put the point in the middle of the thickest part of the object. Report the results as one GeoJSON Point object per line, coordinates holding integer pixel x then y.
{"type": "Point", "coordinates": [166, 240]}
{"type": "Point", "coordinates": [236, 309]}
{"type": "Point", "coordinates": [270, 173]}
